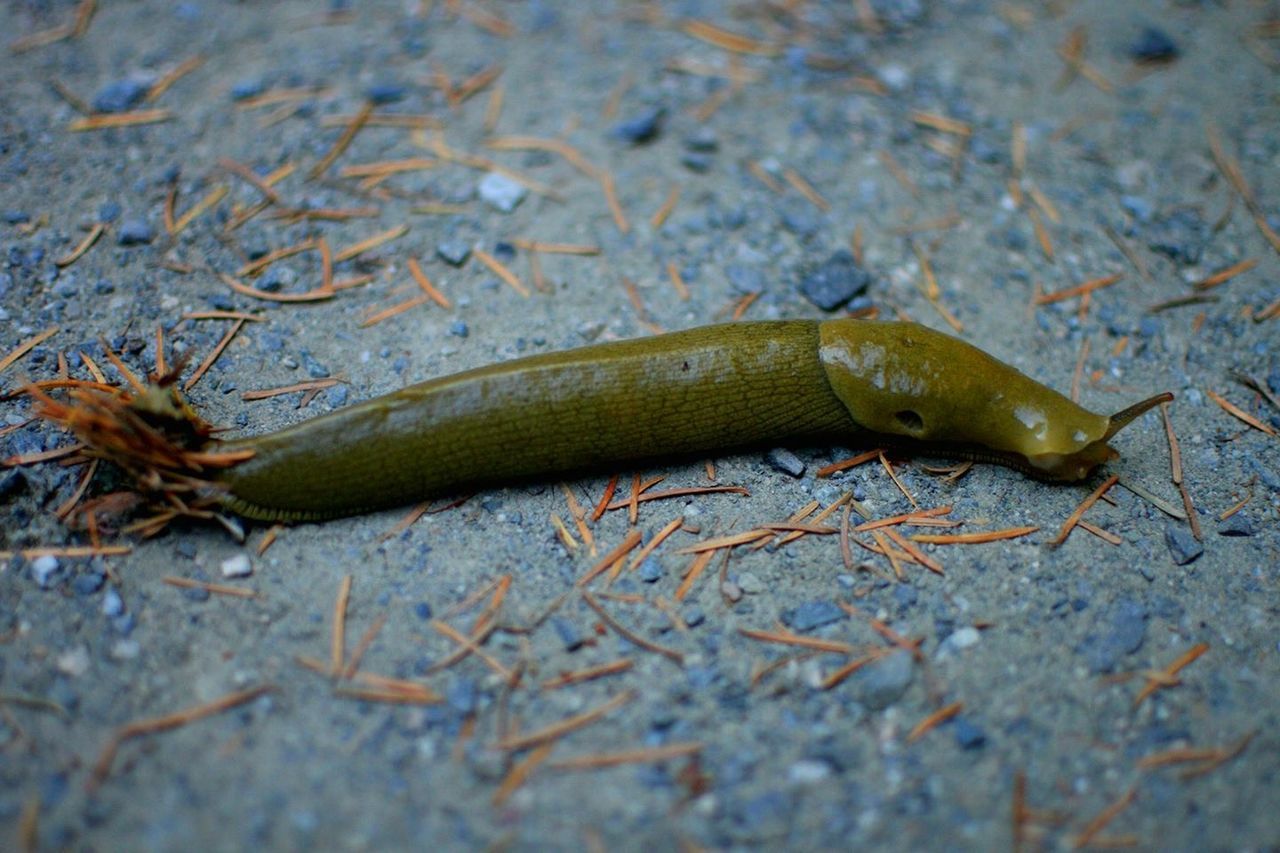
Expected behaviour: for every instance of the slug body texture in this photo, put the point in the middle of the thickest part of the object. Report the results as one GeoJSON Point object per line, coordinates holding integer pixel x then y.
{"type": "Point", "coordinates": [705, 390]}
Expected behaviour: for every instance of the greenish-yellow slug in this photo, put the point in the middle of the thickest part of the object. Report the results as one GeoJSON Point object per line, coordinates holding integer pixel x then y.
{"type": "Point", "coordinates": [705, 390]}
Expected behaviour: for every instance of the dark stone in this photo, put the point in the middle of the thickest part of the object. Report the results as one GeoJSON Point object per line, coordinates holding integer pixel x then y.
{"type": "Point", "coordinates": [246, 89]}
{"type": "Point", "coordinates": [651, 570]}
{"type": "Point", "coordinates": [1183, 547]}
{"type": "Point", "coordinates": [12, 483]}
{"type": "Point", "coordinates": [459, 329]}
{"type": "Point", "coordinates": [315, 369]}
{"type": "Point", "coordinates": [1120, 630]}
{"type": "Point", "coordinates": [120, 95]}
{"type": "Point", "coordinates": [454, 252]}
{"type": "Point", "coordinates": [386, 93]}
{"type": "Point", "coordinates": [745, 278]}
{"type": "Point", "coordinates": [642, 128]}
{"type": "Point", "coordinates": [835, 281]}
{"type": "Point", "coordinates": [801, 218]}
{"type": "Point", "coordinates": [968, 735]}
{"type": "Point", "coordinates": [697, 162]}
{"type": "Point", "coordinates": [135, 232]}
{"type": "Point", "coordinates": [881, 683]}
{"type": "Point", "coordinates": [1237, 525]}
{"type": "Point", "coordinates": [811, 615]}
{"type": "Point", "coordinates": [1154, 45]}
{"type": "Point", "coordinates": [422, 610]}
{"type": "Point", "coordinates": [568, 633]}
{"type": "Point", "coordinates": [781, 459]}
{"type": "Point", "coordinates": [703, 140]}
{"type": "Point", "coordinates": [1181, 236]}
{"type": "Point", "coordinates": [88, 583]}
{"type": "Point", "coordinates": [16, 217]}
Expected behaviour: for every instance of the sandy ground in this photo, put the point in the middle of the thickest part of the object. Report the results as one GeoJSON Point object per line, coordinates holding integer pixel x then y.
{"type": "Point", "coordinates": [952, 134]}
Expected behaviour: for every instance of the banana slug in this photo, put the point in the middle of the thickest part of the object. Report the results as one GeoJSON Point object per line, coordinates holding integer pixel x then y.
{"type": "Point", "coordinates": [699, 391]}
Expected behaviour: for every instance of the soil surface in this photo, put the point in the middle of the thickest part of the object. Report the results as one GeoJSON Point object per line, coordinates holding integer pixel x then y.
{"type": "Point", "coordinates": [948, 161]}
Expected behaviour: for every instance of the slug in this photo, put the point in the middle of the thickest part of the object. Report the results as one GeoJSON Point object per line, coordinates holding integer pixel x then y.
{"type": "Point", "coordinates": [705, 390]}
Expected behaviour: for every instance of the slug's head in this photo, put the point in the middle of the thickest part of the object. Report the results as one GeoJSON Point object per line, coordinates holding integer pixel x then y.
{"type": "Point", "coordinates": [930, 390]}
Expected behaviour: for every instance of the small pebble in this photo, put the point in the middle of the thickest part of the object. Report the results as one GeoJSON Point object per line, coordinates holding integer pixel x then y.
{"type": "Point", "coordinates": [651, 570]}
{"type": "Point", "coordinates": [750, 584]}
{"type": "Point", "coordinates": [112, 604]}
{"type": "Point", "coordinates": [781, 459]}
{"type": "Point", "coordinates": [500, 192]}
{"type": "Point", "coordinates": [43, 570]}
{"type": "Point", "coordinates": [453, 252]}
{"type": "Point", "coordinates": [881, 683]}
{"type": "Point", "coordinates": [746, 278]}
{"type": "Point", "coordinates": [811, 615]}
{"type": "Point", "coordinates": [1153, 45]}
{"type": "Point", "coordinates": [568, 633]}
{"type": "Point", "coordinates": [237, 566]}
{"type": "Point", "coordinates": [702, 140]}
{"type": "Point", "coordinates": [833, 283]}
{"type": "Point", "coordinates": [246, 89]}
{"type": "Point", "coordinates": [1237, 525]}
{"type": "Point", "coordinates": [968, 735]}
{"type": "Point", "coordinates": [135, 232]}
{"type": "Point", "coordinates": [957, 641]}
{"type": "Point", "coordinates": [121, 95]}
{"type": "Point", "coordinates": [386, 93]}
{"type": "Point", "coordinates": [1183, 547]}
{"type": "Point", "coordinates": [641, 128]}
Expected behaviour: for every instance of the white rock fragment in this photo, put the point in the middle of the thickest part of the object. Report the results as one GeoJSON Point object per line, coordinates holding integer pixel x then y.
{"type": "Point", "coordinates": [237, 567]}
{"type": "Point", "coordinates": [501, 192]}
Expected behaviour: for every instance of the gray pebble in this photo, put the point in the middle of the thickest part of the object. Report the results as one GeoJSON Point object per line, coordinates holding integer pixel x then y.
{"type": "Point", "coordinates": [781, 459]}
{"type": "Point", "coordinates": [1153, 45]}
{"type": "Point", "coordinates": [568, 633]}
{"type": "Point", "coordinates": [453, 252]}
{"type": "Point", "coordinates": [44, 569]}
{"type": "Point", "coordinates": [835, 281]}
{"type": "Point", "coordinates": [878, 685]}
{"type": "Point", "coordinates": [745, 278]}
{"type": "Point", "coordinates": [968, 735]}
{"type": "Point", "coordinates": [135, 232]}
{"type": "Point", "coordinates": [651, 570]}
{"type": "Point", "coordinates": [1182, 545]}
{"type": "Point", "coordinates": [1237, 525]}
{"type": "Point", "coordinates": [811, 615]}
{"type": "Point", "coordinates": [641, 128]}
{"type": "Point", "coordinates": [1119, 630]}
{"type": "Point", "coordinates": [500, 192]}
{"type": "Point", "coordinates": [120, 95]}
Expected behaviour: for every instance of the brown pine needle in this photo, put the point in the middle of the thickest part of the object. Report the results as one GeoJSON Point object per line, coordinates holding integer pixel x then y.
{"type": "Point", "coordinates": [645, 755]}
{"type": "Point", "coordinates": [26, 346]}
{"type": "Point", "coordinates": [83, 246]}
{"type": "Point", "coordinates": [615, 206]}
{"type": "Point", "coordinates": [425, 284]}
{"type": "Point", "coordinates": [625, 547]}
{"type": "Point", "coordinates": [661, 215]}
{"type": "Point", "coordinates": [520, 773]}
{"type": "Point", "coordinates": [348, 134]}
{"type": "Point", "coordinates": [788, 639]}
{"type": "Point", "coordinates": [1082, 509]}
{"type": "Point", "coordinates": [840, 675]}
{"type": "Point", "coordinates": [213, 356]}
{"type": "Point", "coordinates": [591, 673]}
{"type": "Point", "coordinates": [370, 243]}
{"type": "Point", "coordinates": [628, 634]}
{"type": "Point", "coordinates": [661, 536]}
{"type": "Point", "coordinates": [806, 189]}
{"type": "Point", "coordinates": [338, 640]}
{"type": "Point", "coordinates": [915, 553]}
{"type": "Point", "coordinates": [1099, 823]}
{"type": "Point", "coordinates": [555, 248]}
{"type": "Point", "coordinates": [1225, 275]}
{"type": "Point", "coordinates": [677, 493]}
{"type": "Point", "coordinates": [1104, 535]}
{"type": "Point", "coordinates": [1170, 672]}
{"type": "Point", "coordinates": [899, 174]}
{"type": "Point", "coordinates": [555, 731]}
{"type": "Point", "coordinates": [101, 121]}
{"type": "Point", "coordinates": [501, 271]}
{"type": "Point", "coordinates": [695, 571]}
{"type": "Point", "coordinates": [972, 538]}
{"type": "Point", "coordinates": [1078, 290]}
{"type": "Point", "coordinates": [68, 551]}
{"type": "Point", "coordinates": [934, 720]}
{"type": "Point", "coordinates": [1240, 414]}
{"type": "Point", "coordinates": [215, 588]}
{"type": "Point", "coordinates": [851, 462]}
{"type": "Point", "coordinates": [718, 36]}
{"type": "Point", "coordinates": [181, 70]}
{"type": "Point", "coordinates": [102, 767]}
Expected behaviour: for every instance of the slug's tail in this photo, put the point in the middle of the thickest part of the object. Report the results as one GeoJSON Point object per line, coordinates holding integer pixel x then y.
{"type": "Point", "coordinates": [1129, 414]}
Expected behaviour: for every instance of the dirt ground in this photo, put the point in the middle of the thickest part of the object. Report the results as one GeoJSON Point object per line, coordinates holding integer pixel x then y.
{"type": "Point", "coordinates": [965, 161]}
